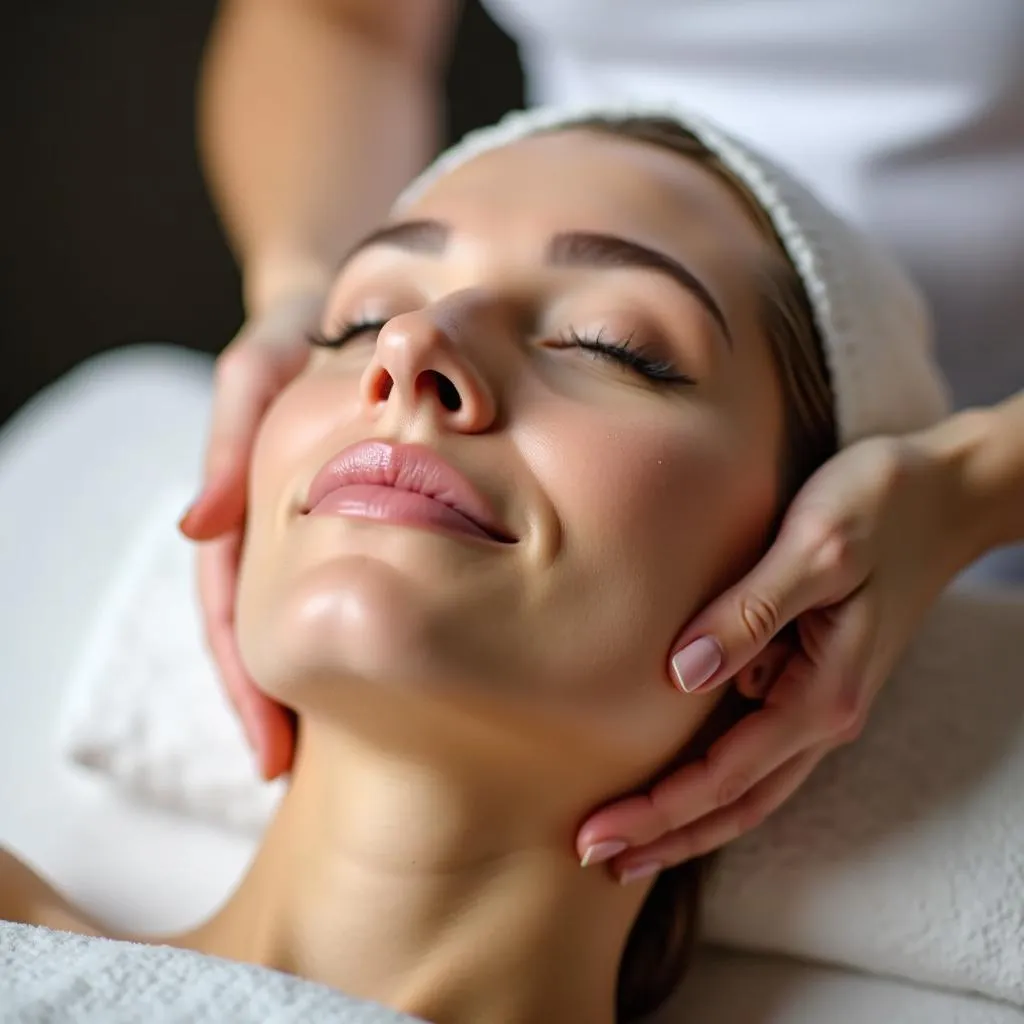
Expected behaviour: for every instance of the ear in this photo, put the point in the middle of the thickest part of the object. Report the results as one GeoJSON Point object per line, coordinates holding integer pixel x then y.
{"type": "Point", "coordinates": [757, 678]}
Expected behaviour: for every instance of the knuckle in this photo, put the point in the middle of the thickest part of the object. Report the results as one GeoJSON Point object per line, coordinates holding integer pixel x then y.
{"type": "Point", "coordinates": [825, 544]}
{"type": "Point", "coordinates": [890, 463]}
{"type": "Point", "coordinates": [810, 530]}
{"type": "Point", "coordinates": [668, 816]}
{"type": "Point", "coordinates": [761, 617]}
{"type": "Point", "coordinates": [845, 718]}
{"type": "Point", "coordinates": [234, 363]}
{"type": "Point", "coordinates": [750, 814]}
{"type": "Point", "coordinates": [731, 788]}
{"type": "Point", "coordinates": [853, 731]}
{"type": "Point", "coordinates": [835, 554]}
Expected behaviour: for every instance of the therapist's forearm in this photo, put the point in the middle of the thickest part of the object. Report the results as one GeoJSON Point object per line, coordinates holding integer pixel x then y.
{"type": "Point", "coordinates": [989, 447]}
{"type": "Point", "coordinates": [313, 115]}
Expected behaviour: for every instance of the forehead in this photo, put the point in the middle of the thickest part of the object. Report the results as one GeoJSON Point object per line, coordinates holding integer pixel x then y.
{"type": "Point", "coordinates": [584, 179]}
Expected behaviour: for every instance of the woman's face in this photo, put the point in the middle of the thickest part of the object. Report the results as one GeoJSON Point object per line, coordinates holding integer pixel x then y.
{"type": "Point", "coordinates": [629, 486]}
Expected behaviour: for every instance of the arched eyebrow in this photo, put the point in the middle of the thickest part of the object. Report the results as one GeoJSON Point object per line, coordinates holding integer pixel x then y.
{"type": "Point", "coordinates": [600, 251]}
{"type": "Point", "coordinates": [568, 249]}
{"type": "Point", "coordinates": [427, 237]}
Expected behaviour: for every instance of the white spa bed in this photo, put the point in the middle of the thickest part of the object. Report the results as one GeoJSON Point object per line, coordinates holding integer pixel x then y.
{"type": "Point", "coordinates": [77, 468]}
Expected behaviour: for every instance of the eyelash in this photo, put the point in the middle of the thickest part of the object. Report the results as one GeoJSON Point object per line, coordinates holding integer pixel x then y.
{"type": "Point", "coordinates": [346, 333]}
{"type": "Point", "coordinates": [620, 351]}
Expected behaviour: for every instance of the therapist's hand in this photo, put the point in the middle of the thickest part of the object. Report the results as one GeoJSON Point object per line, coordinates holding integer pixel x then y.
{"type": "Point", "coordinates": [864, 549]}
{"type": "Point", "coordinates": [264, 357]}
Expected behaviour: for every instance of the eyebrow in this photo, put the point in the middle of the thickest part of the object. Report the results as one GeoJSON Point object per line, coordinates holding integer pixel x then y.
{"type": "Point", "coordinates": [429, 237]}
{"type": "Point", "coordinates": [568, 249]}
{"type": "Point", "coordinates": [587, 249]}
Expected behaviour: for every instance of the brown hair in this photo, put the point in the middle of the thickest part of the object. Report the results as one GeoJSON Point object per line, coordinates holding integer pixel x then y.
{"type": "Point", "coordinates": [661, 942]}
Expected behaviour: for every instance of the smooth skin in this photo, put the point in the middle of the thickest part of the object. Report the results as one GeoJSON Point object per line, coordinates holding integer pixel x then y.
{"type": "Point", "coordinates": [463, 702]}
{"type": "Point", "coordinates": [293, 96]}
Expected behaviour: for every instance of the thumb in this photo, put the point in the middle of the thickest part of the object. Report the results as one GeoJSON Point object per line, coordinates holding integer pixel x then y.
{"type": "Point", "coordinates": [737, 626]}
{"type": "Point", "coordinates": [245, 386]}
{"type": "Point", "coordinates": [250, 374]}
{"type": "Point", "coordinates": [220, 506]}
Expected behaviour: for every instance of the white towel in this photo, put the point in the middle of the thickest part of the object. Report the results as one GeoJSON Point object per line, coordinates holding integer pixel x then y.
{"type": "Point", "coordinates": [903, 855]}
{"type": "Point", "coordinates": [48, 976]}
{"type": "Point", "coordinates": [904, 852]}
{"type": "Point", "coordinates": [146, 707]}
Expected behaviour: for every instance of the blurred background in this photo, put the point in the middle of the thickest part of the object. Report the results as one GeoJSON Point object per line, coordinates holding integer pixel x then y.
{"type": "Point", "coordinates": [109, 238]}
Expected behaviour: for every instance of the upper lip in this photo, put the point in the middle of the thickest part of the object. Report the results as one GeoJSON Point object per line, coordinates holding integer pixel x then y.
{"type": "Point", "coordinates": [407, 467]}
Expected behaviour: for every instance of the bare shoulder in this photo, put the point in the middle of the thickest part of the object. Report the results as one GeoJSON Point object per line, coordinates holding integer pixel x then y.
{"type": "Point", "coordinates": [26, 899]}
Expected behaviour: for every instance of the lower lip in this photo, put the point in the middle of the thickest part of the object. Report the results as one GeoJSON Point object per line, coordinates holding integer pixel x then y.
{"type": "Point", "coordinates": [391, 505]}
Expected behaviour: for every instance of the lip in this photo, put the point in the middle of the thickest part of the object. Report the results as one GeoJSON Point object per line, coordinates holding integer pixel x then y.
{"type": "Point", "coordinates": [407, 483]}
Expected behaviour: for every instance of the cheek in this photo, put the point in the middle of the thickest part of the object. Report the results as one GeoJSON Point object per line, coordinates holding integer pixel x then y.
{"type": "Point", "coordinates": [305, 425]}
{"type": "Point", "coordinates": [675, 498]}
{"type": "Point", "coordinates": [657, 510]}
{"type": "Point", "coordinates": [658, 513]}
{"type": "Point", "coordinates": [299, 431]}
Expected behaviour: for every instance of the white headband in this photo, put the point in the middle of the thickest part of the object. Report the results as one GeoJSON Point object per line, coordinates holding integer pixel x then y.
{"type": "Point", "coordinates": [872, 321]}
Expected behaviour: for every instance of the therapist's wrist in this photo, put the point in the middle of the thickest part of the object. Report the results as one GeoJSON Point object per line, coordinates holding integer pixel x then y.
{"type": "Point", "coordinates": [284, 279]}
{"type": "Point", "coordinates": [982, 452]}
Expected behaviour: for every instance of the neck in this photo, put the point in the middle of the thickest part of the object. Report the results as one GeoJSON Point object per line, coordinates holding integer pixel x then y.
{"type": "Point", "coordinates": [451, 894]}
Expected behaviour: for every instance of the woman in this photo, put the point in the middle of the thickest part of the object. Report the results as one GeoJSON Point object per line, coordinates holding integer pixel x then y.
{"type": "Point", "coordinates": [527, 440]}
{"type": "Point", "coordinates": [905, 116]}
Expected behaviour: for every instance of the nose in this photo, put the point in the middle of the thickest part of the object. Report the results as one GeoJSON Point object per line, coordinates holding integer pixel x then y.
{"type": "Point", "coordinates": [423, 364]}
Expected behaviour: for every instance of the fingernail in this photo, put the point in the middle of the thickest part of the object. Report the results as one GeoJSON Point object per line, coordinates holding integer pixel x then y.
{"type": "Point", "coordinates": [696, 663]}
{"type": "Point", "coordinates": [638, 871]}
{"type": "Point", "coordinates": [183, 521]}
{"type": "Point", "coordinates": [598, 853]}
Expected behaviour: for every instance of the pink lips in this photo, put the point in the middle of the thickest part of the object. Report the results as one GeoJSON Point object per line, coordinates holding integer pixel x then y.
{"type": "Point", "coordinates": [402, 483]}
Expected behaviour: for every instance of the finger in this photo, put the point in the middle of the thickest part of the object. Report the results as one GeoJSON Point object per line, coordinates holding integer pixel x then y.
{"type": "Point", "coordinates": [220, 507]}
{"type": "Point", "coordinates": [838, 680]}
{"type": "Point", "coordinates": [267, 725]}
{"type": "Point", "coordinates": [218, 562]}
{"type": "Point", "coordinates": [756, 680]}
{"type": "Point", "coordinates": [250, 374]}
{"type": "Point", "coordinates": [689, 793]}
{"type": "Point", "coordinates": [724, 825]}
{"type": "Point", "coordinates": [217, 574]}
{"type": "Point", "coordinates": [746, 753]}
{"type": "Point", "coordinates": [736, 763]}
{"type": "Point", "coordinates": [278, 739]}
{"type": "Point", "coordinates": [820, 697]}
{"type": "Point", "coordinates": [806, 567]}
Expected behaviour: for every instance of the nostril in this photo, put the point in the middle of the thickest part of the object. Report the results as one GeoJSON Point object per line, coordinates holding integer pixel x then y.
{"type": "Point", "coordinates": [447, 392]}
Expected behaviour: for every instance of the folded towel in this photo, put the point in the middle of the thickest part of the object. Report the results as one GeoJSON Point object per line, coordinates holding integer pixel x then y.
{"type": "Point", "coordinates": [903, 855]}
{"type": "Point", "coordinates": [48, 976]}
{"type": "Point", "coordinates": [904, 852]}
{"type": "Point", "coordinates": [146, 707]}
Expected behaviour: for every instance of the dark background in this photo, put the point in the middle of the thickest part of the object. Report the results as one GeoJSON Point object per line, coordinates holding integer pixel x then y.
{"type": "Point", "coordinates": [108, 235]}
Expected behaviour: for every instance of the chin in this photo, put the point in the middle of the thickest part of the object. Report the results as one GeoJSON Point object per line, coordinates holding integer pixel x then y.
{"type": "Point", "coordinates": [362, 645]}
{"type": "Point", "coordinates": [351, 618]}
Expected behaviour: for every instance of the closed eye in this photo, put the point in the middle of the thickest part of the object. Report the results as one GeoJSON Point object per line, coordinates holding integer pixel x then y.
{"type": "Point", "coordinates": [624, 352]}
{"type": "Point", "coordinates": [348, 330]}
{"type": "Point", "coordinates": [620, 351]}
